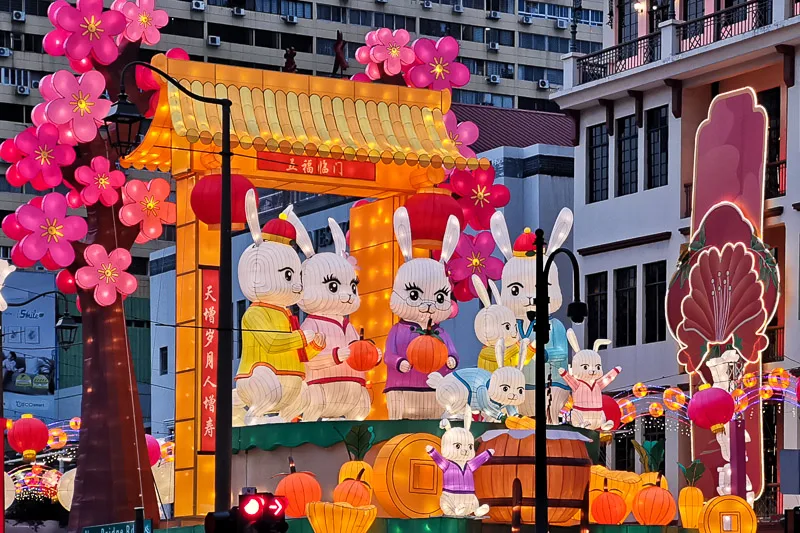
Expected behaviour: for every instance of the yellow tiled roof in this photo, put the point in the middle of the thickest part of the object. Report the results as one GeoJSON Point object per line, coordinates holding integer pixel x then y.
{"type": "Point", "coordinates": [290, 113]}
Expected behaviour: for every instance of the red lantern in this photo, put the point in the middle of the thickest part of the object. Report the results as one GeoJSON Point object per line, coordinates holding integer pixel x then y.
{"type": "Point", "coordinates": [612, 411]}
{"type": "Point", "coordinates": [28, 436]}
{"type": "Point", "coordinates": [205, 200]}
{"type": "Point", "coordinates": [428, 211]}
{"type": "Point", "coordinates": [153, 449]}
{"type": "Point", "coordinates": [711, 408]}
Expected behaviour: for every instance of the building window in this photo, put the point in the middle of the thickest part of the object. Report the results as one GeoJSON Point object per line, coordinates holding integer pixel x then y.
{"type": "Point", "coordinates": [627, 156]}
{"type": "Point", "coordinates": [775, 173]}
{"type": "Point", "coordinates": [298, 9]}
{"type": "Point", "coordinates": [625, 306]}
{"type": "Point", "coordinates": [504, 70]}
{"type": "Point", "coordinates": [657, 146]}
{"type": "Point", "coordinates": [628, 28]}
{"type": "Point", "coordinates": [331, 13]}
{"type": "Point", "coordinates": [163, 360]}
{"type": "Point", "coordinates": [597, 300]}
{"type": "Point", "coordinates": [597, 162]}
{"type": "Point", "coordinates": [655, 292]}
{"type": "Point", "coordinates": [624, 452]}
{"type": "Point", "coordinates": [653, 430]}
{"type": "Point", "coordinates": [360, 18]}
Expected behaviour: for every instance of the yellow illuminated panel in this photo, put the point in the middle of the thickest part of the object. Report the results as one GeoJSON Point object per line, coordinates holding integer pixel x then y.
{"type": "Point", "coordinates": [184, 445]}
{"type": "Point", "coordinates": [184, 347]}
{"type": "Point", "coordinates": [184, 492]}
{"type": "Point", "coordinates": [185, 291]}
{"type": "Point", "coordinates": [184, 395]}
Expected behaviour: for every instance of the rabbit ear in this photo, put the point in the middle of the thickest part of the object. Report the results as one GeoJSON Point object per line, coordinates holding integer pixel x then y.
{"type": "Point", "coordinates": [500, 234]}
{"type": "Point", "coordinates": [495, 291]}
{"type": "Point", "coordinates": [599, 343]}
{"type": "Point", "coordinates": [402, 232]}
{"type": "Point", "coordinates": [523, 353]}
{"type": "Point", "coordinates": [251, 212]}
{"type": "Point", "coordinates": [481, 290]}
{"type": "Point", "coordinates": [468, 417]}
{"type": "Point", "coordinates": [302, 240]}
{"type": "Point", "coordinates": [445, 425]}
{"type": "Point", "coordinates": [339, 240]}
{"type": "Point", "coordinates": [500, 352]}
{"type": "Point", "coordinates": [561, 229]}
{"type": "Point", "coordinates": [451, 236]}
{"type": "Point", "coordinates": [573, 340]}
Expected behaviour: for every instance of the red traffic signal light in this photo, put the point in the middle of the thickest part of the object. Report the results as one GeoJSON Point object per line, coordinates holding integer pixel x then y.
{"type": "Point", "coordinates": [277, 506]}
{"type": "Point", "coordinates": [254, 507]}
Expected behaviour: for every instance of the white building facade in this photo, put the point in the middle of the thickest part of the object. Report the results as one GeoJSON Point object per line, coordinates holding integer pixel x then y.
{"type": "Point", "coordinates": [638, 104]}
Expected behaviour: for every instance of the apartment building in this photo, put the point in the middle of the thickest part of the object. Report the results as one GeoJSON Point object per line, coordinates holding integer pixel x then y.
{"type": "Point", "coordinates": [639, 103]}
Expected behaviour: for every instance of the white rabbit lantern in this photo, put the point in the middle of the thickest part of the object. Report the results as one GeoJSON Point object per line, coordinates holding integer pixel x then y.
{"type": "Point", "coordinates": [492, 323]}
{"type": "Point", "coordinates": [458, 462]}
{"type": "Point", "coordinates": [587, 382]}
{"type": "Point", "coordinates": [518, 291]}
{"type": "Point", "coordinates": [494, 394]}
{"type": "Point", "coordinates": [274, 348]}
{"type": "Point", "coordinates": [330, 295]}
{"type": "Point", "coordinates": [420, 296]}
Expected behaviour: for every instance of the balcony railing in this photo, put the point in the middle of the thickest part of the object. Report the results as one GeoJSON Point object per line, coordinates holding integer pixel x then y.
{"type": "Point", "coordinates": [619, 58]}
{"type": "Point", "coordinates": [774, 352]}
{"type": "Point", "coordinates": [775, 179]}
{"type": "Point", "coordinates": [724, 24]}
{"type": "Point", "coordinates": [768, 509]}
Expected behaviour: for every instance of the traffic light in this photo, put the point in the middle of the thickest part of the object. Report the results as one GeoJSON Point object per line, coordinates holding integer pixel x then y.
{"type": "Point", "coordinates": [257, 512]}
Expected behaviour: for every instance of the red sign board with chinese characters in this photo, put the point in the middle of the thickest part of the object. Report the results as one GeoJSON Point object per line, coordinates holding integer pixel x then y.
{"type": "Point", "coordinates": [210, 353]}
{"type": "Point", "coordinates": [316, 166]}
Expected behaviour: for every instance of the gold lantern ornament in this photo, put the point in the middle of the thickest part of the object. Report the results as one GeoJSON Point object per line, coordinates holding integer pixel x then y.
{"type": "Point", "coordinates": [326, 517]}
{"type": "Point", "coordinates": [728, 514]}
{"type": "Point", "coordinates": [674, 398]}
{"type": "Point", "coordinates": [640, 390]}
{"type": "Point", "coordinates": [690, 498]}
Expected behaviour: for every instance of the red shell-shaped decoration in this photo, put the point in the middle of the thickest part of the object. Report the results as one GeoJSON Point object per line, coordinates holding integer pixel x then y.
{"type": "Point", "coordinates": [711, 408]}
{"type": "Point", "coordinates": [612, 411]}
{"type": "Point", "coordinates": [725, 304]}
{"type": "Point", "coordinates": [428, 211]}
{"type": "Point", "coordinates": [28, 436]}
{"type": "Point", "coordinates": [206, 204]}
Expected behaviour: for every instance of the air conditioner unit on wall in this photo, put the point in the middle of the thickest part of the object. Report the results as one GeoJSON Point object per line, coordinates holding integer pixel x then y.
{"type": "Point", "coordinates": [494, 79]}
{"type": "Point", "coordinates": [5, 52]}
{"type": "Point", "coordinates": [214, 40]}
{"type": "Point", "coordinates": [561, 24]}
{"type": "Point", "coordinates": [494, 46]}
{"type": "Point", "coordinates": [198, 5]}
{"type": "Point", "coordinates": [493, 15]}
{"type": "Point", "coordinates": [458, 8]}
{"type": "Point", "coordinates": [290, 19]}
{"type": "Point", "coordinates": [527, 19]}
{"type": "Point", "coordinates": [427, 4]}
{"type": "Point", "coordinates": [18, 16]}
{"type": "Point", "coordinates": [23, 90]}
{"type": "Point", "coordinates": [543, 84]}
{"type": "Point", "coordinates": [239, 12]}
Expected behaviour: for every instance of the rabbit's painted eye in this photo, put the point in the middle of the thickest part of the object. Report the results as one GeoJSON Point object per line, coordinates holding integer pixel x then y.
{"type": "Point", "coordinates": [585, 367]}
{"type": "Point", "coordinates": [458, 445]}
{"type": "Point", "coordinates": [505, 388]}
{"type": "Point", "coordinates": [287, 273]}
{"type": "Point", "coordinates": [521, 391]}
{"type": "Point", "coordinates": [354, 287]}
{"type": "Point", "coordinates": [598, 367]}
{"type": "Point", "coordinates": [413, 295]}
{"type": "Point", "coordinates": [515, 289]}
{"type": "Point", "coordinates": [470, 446]}
{"type": "Point", "coordinates": [333, 286]}
{"type": "Point", "coordinates": [508, 326]}
{"type": "Point", "coordinates": [439, 298]}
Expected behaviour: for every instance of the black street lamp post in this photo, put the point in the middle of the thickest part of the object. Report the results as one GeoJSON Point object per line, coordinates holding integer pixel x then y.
{"type": "Point", "coordinates": [576, 311]}
{"type": "Point", "coordinates": [124, 121]}
{"type": "Point", "coordinates": [66, 327]}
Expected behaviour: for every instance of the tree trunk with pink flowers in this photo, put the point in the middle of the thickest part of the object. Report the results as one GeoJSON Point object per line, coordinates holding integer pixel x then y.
{"type": "Point", "coordinates": [92, 255]}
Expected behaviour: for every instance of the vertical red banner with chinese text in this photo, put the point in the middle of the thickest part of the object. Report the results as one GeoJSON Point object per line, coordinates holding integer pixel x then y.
{"type": "Point", "coordinates": [210, 352]}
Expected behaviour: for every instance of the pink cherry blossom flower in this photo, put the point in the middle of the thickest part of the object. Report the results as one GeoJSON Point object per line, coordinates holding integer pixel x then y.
{"type": "Point", "coordinates": [146, 79]}
{"type": "Point", "coordinates": [100, 182]}
{"type": "Point", "coordinates": [105, 273]}
{"type": "Point", "coordinates": [361, 77]}
{"type": "Point", "coordinates": [385, 51]}
{"type": "Point", "coordinates": [53, 42]}
{"type": "Point", "coordinates": [144, 21]}
{"type": "Point", "coordinates": [478, 195]}
{"type": "Point", "coordinates": [145, 204]}
{"type": "Point", "coordinates": [91, 31]}
{"type": "Point", "coordinates": [52, 231]}
{"type": "Point", "coordinates": [473, 255]}
{"type": "Point", "coordinates": [436, 65]}
{"type": "Point", "coordinates": [79, 103]}
{"type": "Point", "coordinates": [462, 134]}
{"type": "Point", "coordinates": [43, 156]}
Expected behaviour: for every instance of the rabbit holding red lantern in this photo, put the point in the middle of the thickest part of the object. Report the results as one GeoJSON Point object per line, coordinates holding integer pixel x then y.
{"type": "Point", "coordinates": [417, 345]}
{"type": "Point", "coordinates": [274, 348]}
{"type": "Point", "coordinates": [330, 294]}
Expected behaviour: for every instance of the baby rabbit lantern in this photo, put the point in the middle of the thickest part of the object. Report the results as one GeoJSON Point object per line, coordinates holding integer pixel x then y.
{"type": "Point", "coordinates": [587, 382]}
{"type": "Point", "coordinates": [518, 291]}
{"type": "Point", "coordinates": [274, 348]}
{"type": "Point", "coordinates": [330, 295]}
{"type": "Point", "coordinates": [421, 300]}
{"type": "Point", "coordinates": [495, 322]}
{"type": "Point", "coordinates": [459, 463]}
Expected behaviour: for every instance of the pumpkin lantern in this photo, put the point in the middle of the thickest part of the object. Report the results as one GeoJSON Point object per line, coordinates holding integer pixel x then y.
{"type": "Point", "coordinates": [654, 506]}
{"type": "Point", "coordinates": [358, 442]}
{"type": "Point", "coordinates": [299, 488]}
{"type": "Point", "coordinates": [651, 454]}
{"type": "Point", "coordinates": [205, 200]}
{"type": "Point", "coordinates": [28, 436]}
{"type": "Point", "coordinates": [364, 355]}
{"type": "Point", "coordinates": [608, 508]}
{"type": "Point", "coordinates": [427, 353]}
{"type": "Point", "coordinates": [690, 498]}
{"type": "Point", "coordinates": [353, 491]}
{"type": "Point", "coordinates": [711, 408]}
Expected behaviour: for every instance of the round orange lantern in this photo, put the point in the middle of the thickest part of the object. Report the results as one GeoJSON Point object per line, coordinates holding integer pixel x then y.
{"type": "Point", "coordinates": [430, 208]}
{"type": "Point", "coordinates": [299, 488]}
{"type": "Point", "coordinates": [750, 380]}
{"type": "Point", "coordinates": [640, 390]}
{"type": "Point", "coordinates": [364, 355]}
{"type": "Point", "coordinates": [427, 353]}
{"type": "Point", "coordinates": [740, 398]}
{"type": "Point", "coordinates": [766, 392]}
{"type": "Point", "coordinates": [674, 398]}
{"type": "Point", "coordinates": [206, 204]}
{"type": "Point", "coordinates": [779, 378]}
{"type": "Point", "coordinates": [28, 436]}
{"type": "Point", "coordinates": [628, 411]}
{"type": "Point", "coordinates": [353, 491]}
{"type": "Point", "coordinates": [656, 409]}
{"type": "Point", "coordinates": [58, 439]}
{"type": "Point", "coordinates": [654, 506]}
{"type": "Point", "coordinates": [608, 508]}
{"type": "Point", "coordinates": [75, 423]}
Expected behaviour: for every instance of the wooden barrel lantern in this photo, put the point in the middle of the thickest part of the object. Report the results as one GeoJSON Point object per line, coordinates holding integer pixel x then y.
{"type": "Point", "coordinates": [568, 473]}
{"type": "Point", "coordinates": [406, 481]}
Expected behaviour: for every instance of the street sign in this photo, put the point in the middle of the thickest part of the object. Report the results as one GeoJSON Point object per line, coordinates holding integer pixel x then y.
{"type": "Point", "coordinates": [121, 527]}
